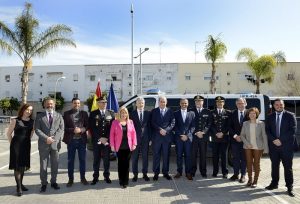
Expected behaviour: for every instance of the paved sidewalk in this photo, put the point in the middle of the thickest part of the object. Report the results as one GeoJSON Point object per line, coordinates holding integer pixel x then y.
{"type": "Point", "coordinates": [210, 190]}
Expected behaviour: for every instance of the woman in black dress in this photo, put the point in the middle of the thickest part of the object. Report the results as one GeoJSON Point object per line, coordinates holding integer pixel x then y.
{"type": "Point", "coordinates": [19, 134]}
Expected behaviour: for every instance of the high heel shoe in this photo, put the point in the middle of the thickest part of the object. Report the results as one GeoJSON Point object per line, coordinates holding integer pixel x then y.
{"type": "Point", "coordinates": [24, 188]}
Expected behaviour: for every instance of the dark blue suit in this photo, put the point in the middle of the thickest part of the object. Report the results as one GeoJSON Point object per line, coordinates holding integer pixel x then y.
{"type": "Point", "coordinates": [143, 135]}
{"type": "Point", "coordinates": [220, 145]}
{"type": "Point", "coordinates": [162, 144]}
{"type": "Point", "coordinates": [284, 152]}
{"type": "Point", "coordinates": [186, 127]}
{"type": "Point", "coordinates": [203, 122]}
{"type": "Point", "coordinates": [238, 153]}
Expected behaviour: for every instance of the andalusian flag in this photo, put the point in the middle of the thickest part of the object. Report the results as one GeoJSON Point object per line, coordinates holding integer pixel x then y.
{"type": "Point", "coordinates": [97, 95]}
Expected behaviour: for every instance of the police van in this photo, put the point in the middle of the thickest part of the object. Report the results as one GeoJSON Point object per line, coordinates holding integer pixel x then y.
{"type": "Point", "coordinates": [259, 101]}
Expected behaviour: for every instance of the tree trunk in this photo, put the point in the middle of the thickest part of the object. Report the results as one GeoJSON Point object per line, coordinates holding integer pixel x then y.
{"type": "Point", "coordinates": [212, 82]}
{"type": "Point", "coordinates": [257, 85]}
{"type": "Point", "coordinates": [24, 81]}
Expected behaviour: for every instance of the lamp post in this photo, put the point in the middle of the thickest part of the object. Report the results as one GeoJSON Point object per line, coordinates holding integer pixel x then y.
{"type": "Point", "coordinates": [141, 69]}
{"type": "Point", "coordinates": [196, 42]}
{"type": "Point", "coordinates": [132, 64]}
{"type": "Point", "coordinates": [63, 77]}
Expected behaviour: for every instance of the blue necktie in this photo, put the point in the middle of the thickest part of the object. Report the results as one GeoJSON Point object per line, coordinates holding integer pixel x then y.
{"type": "Point", "coordinates": [278, 125]}
{"type": "Point", "coordinates": [241, 118]}
{"type": "Point", "coordinates": [141, 117]}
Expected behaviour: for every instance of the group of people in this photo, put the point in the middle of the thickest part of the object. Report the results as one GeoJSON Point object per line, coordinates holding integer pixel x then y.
{"type": "Point", "coordinates": [130, 134]}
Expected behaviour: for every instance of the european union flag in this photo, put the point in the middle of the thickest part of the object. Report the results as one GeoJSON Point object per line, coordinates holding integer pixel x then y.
{"type": "Point", "coordinates": [112, 102]}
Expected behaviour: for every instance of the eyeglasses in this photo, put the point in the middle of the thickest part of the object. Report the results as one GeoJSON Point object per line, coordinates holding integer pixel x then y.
{"type": "Point", "coordinates": [102, 101]}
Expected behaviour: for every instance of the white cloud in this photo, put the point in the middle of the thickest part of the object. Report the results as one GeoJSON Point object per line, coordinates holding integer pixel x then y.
{"type": "Point", "coordinates": [8, 14]}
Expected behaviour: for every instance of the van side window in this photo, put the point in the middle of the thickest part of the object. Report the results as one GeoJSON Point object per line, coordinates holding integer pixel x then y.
{"type": "Point", "coordinates": [149, 103]}
{"type": "Point", "coordinates": [173, 103]}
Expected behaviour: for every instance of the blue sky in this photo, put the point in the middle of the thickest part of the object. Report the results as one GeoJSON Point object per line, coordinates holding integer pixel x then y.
{"type": "Point", "coordinates": [102, 28]}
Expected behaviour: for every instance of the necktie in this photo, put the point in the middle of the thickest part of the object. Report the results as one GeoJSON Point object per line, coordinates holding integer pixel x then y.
{"type": "Point", "coordinates": [219, 112]}
{"type": "Point", "coordinates": [278, 125]}
{"type": "Point", "coordinates": [141, 117]}
{"type": "Point", "coordinates": [102, 113]}
{"type": "Point", "coordinates": [50, 119]}
{"type": "Point", "coordinates": [241, 118]}
{"type": "Point", "coordinates": [162, 112]}
{"type": "Point", "coordinates": [199, 110]}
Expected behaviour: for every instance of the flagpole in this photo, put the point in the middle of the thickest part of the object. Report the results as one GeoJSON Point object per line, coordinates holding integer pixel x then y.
{"type": "Point", "coordinates": [132, 64]}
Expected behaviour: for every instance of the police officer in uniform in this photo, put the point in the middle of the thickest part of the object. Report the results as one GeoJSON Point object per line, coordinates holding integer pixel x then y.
{"type": "Point", "coordinates": [99, 128]}
{"type": "Point", "coordinates": [203, 122]}
{"type": "Point", "coordinates": [219, 136]}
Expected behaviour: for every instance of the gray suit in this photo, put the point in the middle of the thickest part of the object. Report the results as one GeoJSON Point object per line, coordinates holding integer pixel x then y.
{"type": "Point", "coordinates": [43, 131]}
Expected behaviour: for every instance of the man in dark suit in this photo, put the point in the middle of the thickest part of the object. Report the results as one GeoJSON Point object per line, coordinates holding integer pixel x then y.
{"type": "Point", "coordinates": [184, 129]}
{"type": "Point", "coordinates": [281, 129]}
{"type": "Point", "coordinates": [49, 127]}
{"type": "Point", "coordinates": [235, 126]}
{"type": "Point", "coordinates": [219, 134]}
{"type": "Point", "coordinates": [99, 128]}
{"type": "Point", "coordinates": [162, 120]}
{"type": "Point", "coordinates": [203, 122]}
{"type": "Point", "coordinates": [76, 124]}
{"type": "Point", "coordinates": [141, 121]}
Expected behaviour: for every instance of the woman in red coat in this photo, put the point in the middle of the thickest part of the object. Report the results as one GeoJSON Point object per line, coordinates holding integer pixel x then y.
{"type": "Point", "coordinates": [123, 141]}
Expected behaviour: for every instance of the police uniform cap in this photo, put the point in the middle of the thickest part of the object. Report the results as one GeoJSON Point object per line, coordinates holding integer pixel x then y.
{"type": "Point", "coordinates": [198, 98]}
{"type": "Point", "coordinates": [219, 98]}
{"type": "Point", "coordinates": [101, 99]}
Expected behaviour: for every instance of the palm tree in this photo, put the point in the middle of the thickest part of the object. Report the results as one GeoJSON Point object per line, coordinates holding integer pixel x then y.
{"type": "Point", "coordinates": [262, 67]}
{"type": "Point", "coordinates": [215, 50]}
{"type": "Point", "coordinates": [27, 42]}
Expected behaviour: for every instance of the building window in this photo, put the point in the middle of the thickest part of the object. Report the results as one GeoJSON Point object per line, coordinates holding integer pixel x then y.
{"type": "Point", "coordinates": [41, 84]}
{"type": "Point", "coordinates": [129, 93]}
{"type": "Point", "coordinates": [208, 77]}
{"type": "Point", "coordinates": [114, 78]}
{"type": "Point", "coordinates": [148, 78]}
{"type": "Point", "coordinates": [92, 77]}
{"type": "Point", "coordinates": [169, 78]}
{"type": "Point", "coordinates": [75, 94]}
{"type": "Point", "coordinates": [228, 83]}
{"type": "Point", "coordinates": [187, 77]}
{"type": "Point", "coordinates": [228, 92]}
{"type": "Point", "coordinates": [7, 78]}
{"type": "Point", "coordinates": [41, 93]}
{"type": "Point", "coordinates": [290, 77]}
{"type": "Point", "coordinates": [75, 77]}
{"type": "Point", "coordinates": [228, 73]}
{"type": "Point", "coordinates": [129, 84]}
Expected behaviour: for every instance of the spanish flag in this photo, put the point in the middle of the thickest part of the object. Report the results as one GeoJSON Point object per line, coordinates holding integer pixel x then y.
{"type": "Point", "coordinates": [97, 95]}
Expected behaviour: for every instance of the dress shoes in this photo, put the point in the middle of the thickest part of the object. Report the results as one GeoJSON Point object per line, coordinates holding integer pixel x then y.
{"type": "Point", "coordinates": [189, 177]}
{"type": "Point", "coordinates": [94, 181]}
{"type": "Point", "coordinates": [249, 183]}
{"type": "Point", "coordinates": [145, 177]}
{"type": "Point", "coordinates": [254, 185]}
{"type": "Point", "coordinates": [43, 188]}
{"type": "Point", "coordinates": [107, 180]}
{"type": "Point", "coordinates": [242, 179]}
{"type": "Point", "coordinates": [84, 181]}
{"type": "Point", "coordinates": [271, 187]}
{"type": "Point", "coordinates": [55, 186]}
{"type": "Point", "coordinates": [135, 178]}
{"type": "Point", "coordinates": [234, 177]}
{"type": "Point", "coordinates": [70, 183]}
{"type": "Point", "coordinates": [23, 188]}
{"type": "Point", "coordinates": [155, 177]}
{"type": "Point", "coordinates": [124, 186]}
{"type": "Point", "coordinates": [178, 175]}
{"type": "Point", "coordinates": [225, 176]}
{"type": "Point", "coordinates": [167, 176]}
{"type": "Point", "coordinates": [291, 192]}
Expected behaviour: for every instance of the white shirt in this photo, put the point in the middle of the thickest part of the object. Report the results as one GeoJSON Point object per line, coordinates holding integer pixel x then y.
{"type": "Point", "coordinates": [183, 114]}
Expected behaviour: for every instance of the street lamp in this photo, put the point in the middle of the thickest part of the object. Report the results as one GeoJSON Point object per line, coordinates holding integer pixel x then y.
{"type": "Point", "coordinates": [196, 42]}
{"type": "Point", "coordinates": [63, 77]}
{"type": "Point", "coordinates": [140, 55]}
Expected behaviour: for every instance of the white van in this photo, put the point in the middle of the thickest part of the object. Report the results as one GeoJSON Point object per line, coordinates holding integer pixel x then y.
{"type": "Point", "coordinates": [253, 100]}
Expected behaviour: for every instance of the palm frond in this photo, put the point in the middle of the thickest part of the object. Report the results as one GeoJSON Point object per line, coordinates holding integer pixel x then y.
{"type": "Point", "coordinates": [279, 57]}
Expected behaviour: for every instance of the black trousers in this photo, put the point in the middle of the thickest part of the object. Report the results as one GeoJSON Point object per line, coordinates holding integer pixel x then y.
{"type": "Point", "coordinates": [277, 155]}
{"type": "Point", "coordinates": [219, 149]}
{"type": "Point", "coordinates": [201, 147]}
{"type": "Point", "coordinates": [123, 165]}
